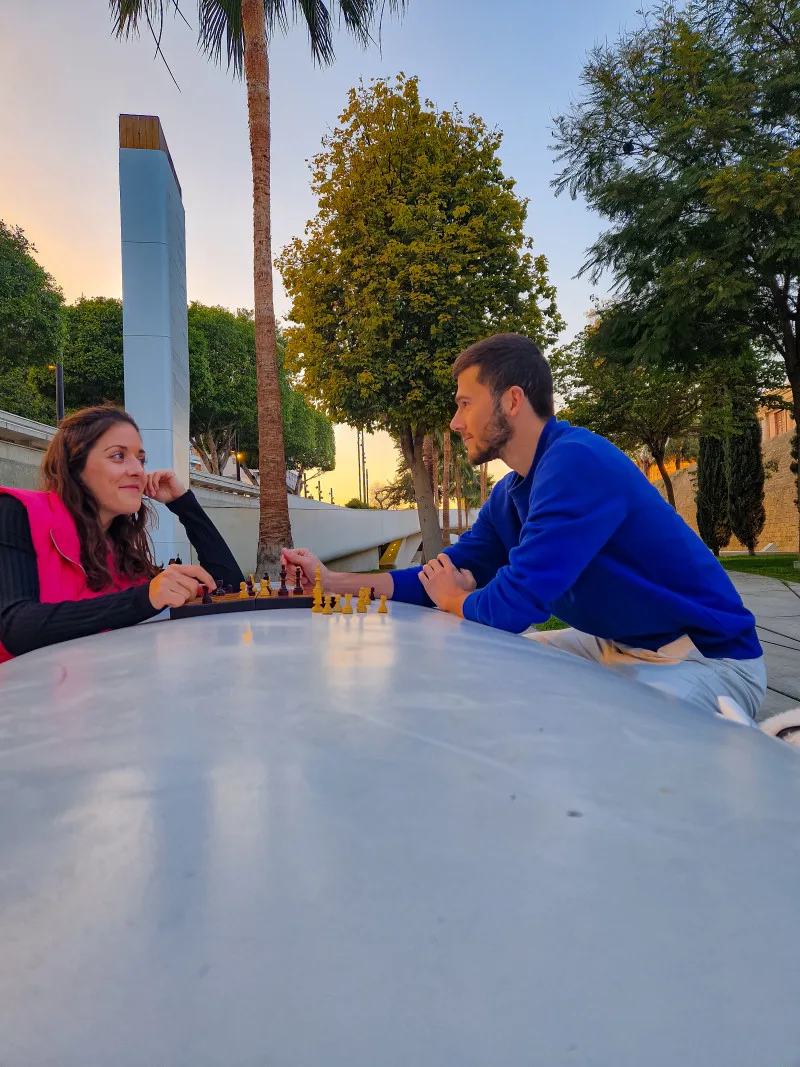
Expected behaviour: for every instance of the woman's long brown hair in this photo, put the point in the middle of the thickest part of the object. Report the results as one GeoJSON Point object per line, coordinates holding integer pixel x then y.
{"type": "Point", "coordinates": [127, 536]}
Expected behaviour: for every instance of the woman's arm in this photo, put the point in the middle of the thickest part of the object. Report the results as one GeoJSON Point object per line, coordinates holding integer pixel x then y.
{"type": "Point", "coordinates": [213, 553]}
{"type": "Point", "coordinates": [25, 623]}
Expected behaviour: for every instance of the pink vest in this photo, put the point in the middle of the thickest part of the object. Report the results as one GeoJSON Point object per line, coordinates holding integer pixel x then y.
{"type": "Point", "coordinates": [58, 552]}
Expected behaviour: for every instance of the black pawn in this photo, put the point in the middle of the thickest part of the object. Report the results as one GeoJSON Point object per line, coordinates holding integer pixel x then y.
{"type": "Point", "coordinates": [283, 591]}
{"type": "Point", "coordinates": [298, 585]}
{"type": "Point", "coordinates": [372, 593]}
{"type": "Point", "coordinates": [206, 595]}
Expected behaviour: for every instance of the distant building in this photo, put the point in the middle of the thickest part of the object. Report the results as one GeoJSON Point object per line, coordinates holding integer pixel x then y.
{"type": "Point", "coordinates": [774, 423]}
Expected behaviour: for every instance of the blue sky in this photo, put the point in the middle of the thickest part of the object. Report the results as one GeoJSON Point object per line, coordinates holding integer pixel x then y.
{"type": "Point", "coordinates": [64, 80]}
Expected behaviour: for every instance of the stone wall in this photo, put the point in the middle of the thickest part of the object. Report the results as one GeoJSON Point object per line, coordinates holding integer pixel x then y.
{"type": "Point", "coordinates": [19, 465]}
{"type": "Point", "coordinates": [781, 527]}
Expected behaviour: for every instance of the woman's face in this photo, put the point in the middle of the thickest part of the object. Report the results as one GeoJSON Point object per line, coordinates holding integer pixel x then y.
{"type": "Point", "coordinates": [114, 472]}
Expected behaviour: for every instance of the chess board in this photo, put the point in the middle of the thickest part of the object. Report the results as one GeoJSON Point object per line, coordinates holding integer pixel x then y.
{"type": "Point", "coordinates": [232, 602]}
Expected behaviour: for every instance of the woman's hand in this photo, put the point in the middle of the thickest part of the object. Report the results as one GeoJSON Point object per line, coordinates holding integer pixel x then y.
{"type": "Point", "coordinates": [308, 563]}
{"type": "Point", "coordinates": [163, 487]}
{"type": "Point", "coordinates": [178, 583]}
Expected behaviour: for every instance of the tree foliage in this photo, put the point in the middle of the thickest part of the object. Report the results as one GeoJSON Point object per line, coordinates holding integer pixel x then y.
{"type": "Point", "coordinates": [712, 494]}
{"type": "Point", "coordinates": [744, 472]}
{"type": "Point", "coordinates": [634, 406]}
{"type": "Point", "coordinates": [31, 326]}
{"type": "Point", "coordinates": [686, 140]}
{"type": "Point", "coordinates": [417, 250]}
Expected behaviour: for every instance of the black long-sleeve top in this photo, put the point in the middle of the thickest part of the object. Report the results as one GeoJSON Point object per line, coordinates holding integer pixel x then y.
{"type": "Point", "coordinates": [26, 623]}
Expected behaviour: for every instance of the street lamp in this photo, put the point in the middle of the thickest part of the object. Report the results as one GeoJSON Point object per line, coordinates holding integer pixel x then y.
{"type": "Point", "coordinates": [239, 461]}
{"type": "Point", "coordinates": [59, 369]}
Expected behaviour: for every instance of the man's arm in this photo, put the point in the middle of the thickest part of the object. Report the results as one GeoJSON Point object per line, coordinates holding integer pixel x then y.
{"type": "Point", "coordinates": [574, 511]}
{"type": "Point", "coordinates": [478, 550]}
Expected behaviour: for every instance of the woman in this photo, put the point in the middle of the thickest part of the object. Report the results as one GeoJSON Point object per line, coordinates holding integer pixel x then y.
{"type": "Point", "coordinates": [76, 559]}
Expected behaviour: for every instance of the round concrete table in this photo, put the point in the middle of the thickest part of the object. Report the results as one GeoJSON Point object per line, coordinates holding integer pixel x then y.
{"type": "Point", "coordinates": [384, 841]}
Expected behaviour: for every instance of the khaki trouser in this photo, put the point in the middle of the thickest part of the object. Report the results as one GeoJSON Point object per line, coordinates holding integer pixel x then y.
{"type": "Point", "coordinates": [734, 688]}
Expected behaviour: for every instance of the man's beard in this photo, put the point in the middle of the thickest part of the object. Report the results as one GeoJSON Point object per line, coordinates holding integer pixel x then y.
{"type": "Point", "coordinates": [497, 435]}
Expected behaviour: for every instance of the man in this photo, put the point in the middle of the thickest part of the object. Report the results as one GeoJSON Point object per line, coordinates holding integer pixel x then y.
{"type": "Point", "coordinates": [575, 530]}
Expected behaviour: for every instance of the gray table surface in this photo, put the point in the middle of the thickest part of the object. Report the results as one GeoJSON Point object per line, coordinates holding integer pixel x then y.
{"type": "Point", "coordinates": [376, 841]}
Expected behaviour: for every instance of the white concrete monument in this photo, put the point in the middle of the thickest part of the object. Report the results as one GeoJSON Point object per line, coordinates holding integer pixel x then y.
{"type": "Point", "coordinates": [154, 323]}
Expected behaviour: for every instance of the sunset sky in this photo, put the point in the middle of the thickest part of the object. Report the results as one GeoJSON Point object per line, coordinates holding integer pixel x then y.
{"type": "Point", "coordinates": [64, 80]}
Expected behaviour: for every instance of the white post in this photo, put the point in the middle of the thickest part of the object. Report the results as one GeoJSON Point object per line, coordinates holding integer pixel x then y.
{"type": "Point", "coordinates": [154, 322]}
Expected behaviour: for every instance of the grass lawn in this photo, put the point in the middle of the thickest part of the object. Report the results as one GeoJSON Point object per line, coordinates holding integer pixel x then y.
{"type": "Point", "coordinates": [779, 566]}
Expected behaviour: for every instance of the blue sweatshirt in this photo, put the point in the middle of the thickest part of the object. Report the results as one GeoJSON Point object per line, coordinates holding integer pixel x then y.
{"type": "Point", "coordinates": [586, 537]}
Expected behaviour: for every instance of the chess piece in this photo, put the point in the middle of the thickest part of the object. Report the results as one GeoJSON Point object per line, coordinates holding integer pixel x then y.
{"type": "Point", "coordinates": [383, 610]}
{"type": "Point", "coordinates": [266, 588]}
{"type": "Point", "coordinates": [348, 608]}
{"type": "Point", "coordinates": [337, 604]}
{"type": "Point", "coordinates": [251, 585]}
{"type": "Point", "coordinates": [327, 609]}
{"type": "Point", "coordinates": [243, 594]}
{"type": "Point", "coordinates": [206, 595]}
{"type": "Point", "coordinates": [298, 582]}
{"type": "Point", "coordinates": [179, 561]}
{"type": "Point", "coordinates": [220, 589]}
{"type": "Point", "coordinates": [361, 606]}
{"type": "Point", "coordinates": [372, 593]}
{"type": "Point", "coordinates": [283, 591]}
{"type": "Point", "coordinates": [317, 606]}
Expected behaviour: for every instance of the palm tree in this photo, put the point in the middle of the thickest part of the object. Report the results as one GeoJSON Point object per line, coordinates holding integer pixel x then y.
{"type": "Point", "coordinates": [241, 29]}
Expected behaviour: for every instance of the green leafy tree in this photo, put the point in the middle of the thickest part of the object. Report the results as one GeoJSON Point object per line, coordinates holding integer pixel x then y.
{"type": "Point", "coordinates": [686, 140]}
{"type": "Point", "coordinates": [239, 30]}
{"type": "Point", "coordinates": [93, 364]}
{"type": "Point", "coordinates": [224, 416]}
{"type": "Point", "coordinates": [417, 250]}
{"type": "Point", "coordinates": [712, 494]}
{"type": "Point", "coordinates": [633, 406]}
{"type": "Point", "coordinates": [31, 325]}
{"type": "Point", "coordinates": [744, 471]}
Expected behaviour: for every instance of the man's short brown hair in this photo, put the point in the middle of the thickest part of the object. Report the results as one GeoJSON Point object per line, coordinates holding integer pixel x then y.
{"type": "Point", "coordinates": [508, 359]}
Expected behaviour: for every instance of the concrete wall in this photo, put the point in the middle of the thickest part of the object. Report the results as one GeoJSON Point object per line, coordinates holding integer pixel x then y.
{"type": "Point", "coordinates": [19, 465]}
{"type": "Point", "coordinates": [344, 538]}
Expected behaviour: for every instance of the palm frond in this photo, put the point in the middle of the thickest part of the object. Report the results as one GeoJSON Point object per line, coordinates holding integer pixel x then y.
{"type": "Point", "coordinates": [221, 20]}
{"type": "Point", "coordinates": [127, 14]}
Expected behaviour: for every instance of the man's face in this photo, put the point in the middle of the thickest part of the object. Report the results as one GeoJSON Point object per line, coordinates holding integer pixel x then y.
{"type": "Point", "coordinates": [480, 419]}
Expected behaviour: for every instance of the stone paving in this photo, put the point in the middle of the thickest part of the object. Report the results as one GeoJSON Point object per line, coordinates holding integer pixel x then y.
{"type": "Point", "coordinates": [776, 606]}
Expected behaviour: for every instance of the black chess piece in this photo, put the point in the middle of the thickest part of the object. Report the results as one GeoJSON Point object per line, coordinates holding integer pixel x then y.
{"type": "Point", "coordinates": [206, 595]}
{"type": "Point", "coordinates": [298, 585]}
{"type": "Point", "coordinates": [179, 561]}
{"type": "Point", "coordinates": [372, 593]}
{"type": "Point", "coordinates": [283, 591]}
{"type": "Point", "coordinates": [220, 588]}
{"type": "Point", "coordinates": [333, 602]}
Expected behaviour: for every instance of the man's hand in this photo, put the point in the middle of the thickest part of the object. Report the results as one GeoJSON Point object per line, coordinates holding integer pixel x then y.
{"type": "Point", "coordinates": [446, 585]}
{"type": "Point", "coordinates": [164, 487]}
{"type": "Point", "coordinates": [307, 562]}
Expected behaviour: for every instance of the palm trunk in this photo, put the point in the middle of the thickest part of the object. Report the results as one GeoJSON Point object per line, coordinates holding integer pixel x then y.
{"type": "Point", "coordinates": [274, 529]}
{"type": "Point", "coordinates": [413, 453]}
{"type": "Point", "coordinates": [483, 472]}
{"type": "Point", "coordinates": [446, 461]}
